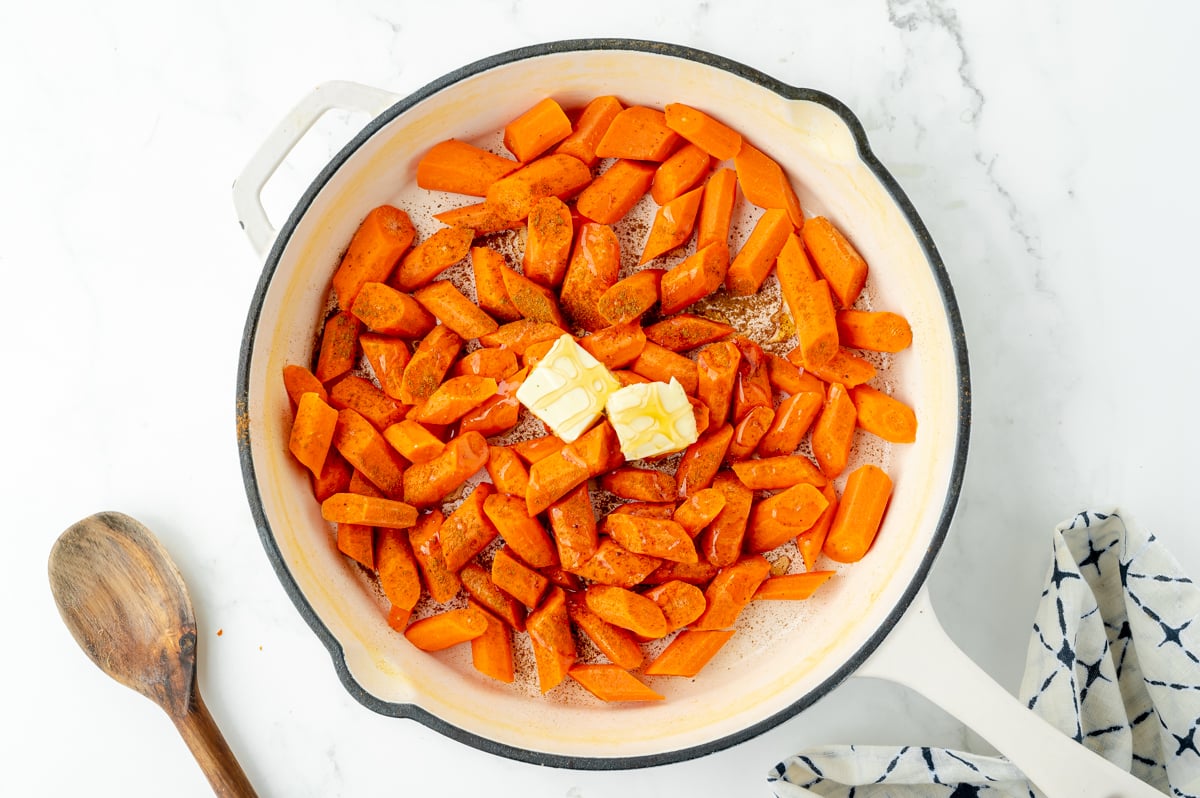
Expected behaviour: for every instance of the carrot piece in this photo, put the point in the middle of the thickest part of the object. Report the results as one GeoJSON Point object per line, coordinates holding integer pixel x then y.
{"type": "Point", "coordinates": [654, 537]}
{"type": "Point", "coordinates": [594, 268]}
{"type": "Point", "coordinates": [680, 602]}
{"type": "Point", "coordinates": [753, 385]}
{"type": "Point", "coordinates": [684, 332]}
{"type": "Point", "coordinates": [454, 310]}
{"type": "Point", "coordinates": [614, 193]}
{"type": "Point", "coordinates": [784, 376]}
{"type": "Point", "coordinates": [883, 415]}
{"type": "Point", "coordinates": [617, 345]}
{"type": "Point", "coordinates": [794, 273]}
{"type": "Point", "coordinates": [480, 587]}
{"type": "Point", "coordinates": [679, 173]}
{"type": "Point", "coordinates": [536, 353]}
{"type": "Point", "coordinates": [339, 346]}
{"type": "Point", "coordinates": [429, 364]}
{"type": "Point", "coordinates": [480, 218]}
{"type": "Point", "coordinates": [374, 405]}
{"type": "Point", "coordinates": [715, 138]}
{"type": "Point", "coordinates": [487, 265]}
{"type": "Point", "coordinates": [613, 564]}
{"type": "Point", "coordinates": [833, 434]}
{"type": "Point", "coordinates": [791, 587]}
{"type": "Point", "coordinates": [793, 417]}
{"type": "Point", "coordinates": [701, 460]}
{"type": "Point", "coordinates": [487, 362]}
{"type": "Point", "coordinates": [627, 377]}
{"type": "Point", "coordinates": [811, 541]}
{"type": "Point", "coordinates": [689, 652]}
{"type": "Point", "coordinates": [399, 575]}
{"type": "Point", "coordinates": [514, 196]}
{"type": "Point", "coordinates": [454, 398]}
{"type": "Point", "coordinates": [612, 683]}
{"type": "Point", "coordinates": [297, 381]}
{"type": "Point", "coordinates": [878, 331]}
{"type": "Point", "coordinates": [731, 590]}
{"type": "Point", "coordinates": [639, 133]}
{"type": "Point", "coordinates": [843, 367]}
{"type": "Point", "coordinates": [533, 449]}
{"type": "Point", "coordinates": [660, 510]}
{"type": "Point", "coordinates": [521, 334]}
{"type": "Point", "coordinates": [573, 521]}
{"type": "Point", "coordinates": [364, 487]}
{"type": "Point", "coordinates": [536, 130]}
{"type": "Point", "coordinates": [533, 301]}
{"type": "Point", "coordinates": [427, 483]}
{"type": "Point", "coordinates": [717, 369]}
{"type": "Point", "coordinates": [517, 579]}
{"type": "Point", "coordinates": [442, 583]}
{"type": "Point", "coordinates": [431, 257]}
{"type": "Point", "coordinates": [334, 476]}
{"type": "Point", "coordinates": [591, 454]}
{"type": "Point", "coordinates": [779, 518]}
{"type": "Point", "coordinates": [716, 208]}
{"type": "Point", "coordinates": [562, 578]}
{"type": "Point", "coordinates": [508, 473]}
{"type": "Point", "coordinates": [388, 356]}
{"type": "Point", "coordinates": [640, 484]}
{"type": "Point", "coordinates": [694, 573]}
{"type": "Point", "coordinates": [354, 508]}
{"type": "Point", "coordinates": [764, 183]}
{"type": "Point", "coordinates": [628, 610]}
{"type": "Point", "coordinates": [378, 243]}
{"type": "Point", "coordinates": [497, 414]}
{"type": "Point", "coordinates": [673, 225]}
{"type": "Point", "coordinates": [549, 628]}
{"type": "Point", "coordinates": [811, 307]}
{"type": "Point", "coordinates": [523, 534]}
{"type": "Point", "coordinates": [367, 450]}
{"type": "Point", "coordinates": [695, 277]}
{"type": "Point", "coordinates": [836, 259]}
{"type": "Point", "coordinates": [357, 541]}
{"type": "Point", "coordinates": [859, 514]}
{"type": "Point", "coordinates": [548, 243]}
{"type": "Point", "coordinates": [398, 618]}
{"type": "Point", "coordinates": [614, 642]}
{"type": "Point", "coordinates": [446, 629]}
{"type": "Point", "coordinates": [749, 432]}
{"type": "Point", "coordinates": [721, 541]}
{"type": "Point", "coordinates": [698, 510]}
{"type": "Point", "coordinates": [754, 260]}
{"type": "Point", "coordinates": [467, 531]}
{"type": "Point", "coordinates": [312, 432]}
{"type": "Point", "coordinates": [699, 413]}
{"type": "Point", "coordinates": [590, 128]}
{"type": "Point", "coordinates": [661, 364]}
{"type": "Point", "coordinates": [776, 473]}
{"type": "Point", "coordinates": [492, 651]}
{"type": "Point", "coordinates": [628, 299]}
{"type": "Point", "coordinates": [414, 441]}
{"type": "Point", "coordinates": [461, 168]}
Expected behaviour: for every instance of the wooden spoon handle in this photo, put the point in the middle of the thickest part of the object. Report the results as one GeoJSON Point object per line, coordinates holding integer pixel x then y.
{"type": "Point", "coordinates": [212, 753]}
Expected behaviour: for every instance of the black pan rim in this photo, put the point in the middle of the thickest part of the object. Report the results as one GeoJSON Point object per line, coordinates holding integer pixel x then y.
{"type": "Point", "coordinates": [953, 317]}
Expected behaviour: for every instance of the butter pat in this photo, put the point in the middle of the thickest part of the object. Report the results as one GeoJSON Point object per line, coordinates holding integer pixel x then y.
{"type": "Point", "coordinates": [567, 389]}
{"type": "Point", "coordinates": [652, 418]}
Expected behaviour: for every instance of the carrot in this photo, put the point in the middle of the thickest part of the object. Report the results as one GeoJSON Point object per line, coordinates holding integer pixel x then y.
{"type": "Point", "coordinates": [498, 414]}
{"type": "Point", "coordinates": [548, 243]}
{"type": "Point", "coordinates": [883, 415]}
{"type": "Point", "coordinates": [447, 629]}
{"type": "Point", "coordinates": [399, 576]}
{"type": "Point", "coordinates": [521, 334]}
{"type": "Point", "coordinates": [533, 301]}
{"type": "Point", "coordinates": [721, 541]}
{"type": "Point", "coordinates": [680, 602]}
{"type": "Point", "coordinates": [339, 346]}
{"type": "Point", "coordinates": [679, 173]}
{"type": "Point", "coordinates": [414, 441]}
{"type": "Point", "coordinates": [398, 618]}
{"type": "Point", "coordinates": [792, 267]}
{"type": "Point", "coordinates": [334, 476]}
{"type": "Point", "coordinates": [612, 683]}
{"type": "Point", "coordinates": [791, 587]}
{"type": "Point", "coordinates": [467, 531]}
{"type": "Point", "coordinates": [429, 364]}
{"type": "Point", "coordinates": [533, 449]}
{"type": "Point", "coordinates": [487, 362]}
{"type": "Point", "coordinates": [367, 450]}
{"type": "Point", "coordinates": [616, 346]}
{"type": "Point", "coordinates": [672, 226]}
{"type": "Point", "coordinates": [590, 455]}
{"type": "Point", "coordinates": [508, 473]}
{"type": "Point", "coordinates": [716, 139]}
{"type": "Point", "coordinates": [378, 243]}
{"type": "Point", "coordinates": [775, 473]}
{"type": "Point", "coordinates": [843, 367]}
{"type": "Point", "coordinates": [859, 514]}
{"type": "Point", "coordinates": [700, 414]}
{"type": "Point", "coordinates": [812, 540]}
{"type": "Point", "coordinates": [698, 510]}
{"type": "Point", "coordinates": [297, 381]}
{"type": "Point", "coordinates": [362, 486]}
{"type": "Point", "coordinates": [700, 461]}
{"type": "Point", "coordinates": [612, 564]}
{"type": "Point", "coordinates": [374, 405]}
{"type": "Point", "coordinates": [442, 583]}
{"type": "Point", "coordinates": [793, 417]}
{"type": "Point", "coordinates": [388, 356]}
{"type": "Point", "coordinates": [536, 130]}
{"type": "Point", "coordinates": [731, 590]}
{"type": "Point", "coordinates": [614, 642]}
{"type": "Point", "coordinates": [664, 539]}
{"type": "Point", "coordinates": [536, 353]}
{"type": "Point", "coordinates": [523, 534]}
{"type": "Point", "coordinates": [513, 197]}
{"type": "Point", "coordinates": [590, 128]}
{"type": "Point", "coordinates": [661, 364]}
{"type": "Point", "coordinates": [833, 434]}
{"type": "Point", "coordinates": [454, 310]}
{"type": "Point", "coordinates": [357, 541]}
{"type": "Point", "coordinates": [784, 376]}
{"type": "Point", "coordinates": [749, 432]}
{"type": "Point", "coordinates": [573, 521]}
{"type": "Point", "coordinates": [431, 257]}
{"type": "Point", "coordinates": [312, 432]}
{"type": "Point", "coordinates": [487, 266]}
{"type": "Point", "coordinates": [878, 331]}
{"type": "Point", "coordinates": [836, 259]}
{"type": "Point", "coordinates": [639, 484]}
{"type": "Point", "coordinates": [811, 307]}
{"type": "Point", "coordinates": [549, 629]}
{"type": "Point", "coordinates": [764, 183]}
{"type": "Point", "coordinates": [492, 651]}
{"type": "Point", "coordinates": [354, 508]}
{"type": "Point", "coordinates": [660, 510]}
{"type": "Point", "coordinates": [689, 652]}
{"type": "Point", "coordinates": [517, 579]}
{"type": "Point", "coordinates": [628, 610]}
{"type": "Point", "coordinates": [461, 168]}
{"type": "Point", "coordinates": [754, 260]}
{"type": "Point", "coordinates": [639, 133]}
{"type": "Point", "coordinates": [454, 398]}
{"type": "Point", "coordinates": [480, 587]}
{"type": "Point", "coordinates": [480, 218]}
{"type": "Point", "coordinates": [716, 208]}
{"type": "Point", "coordinates": [779, 518]}
{"type": "Point", "coordinates": [694, 573]}
{"type": "Point", "coordinates": [614, 193]}
{"type": "Point", "coordinates": [427, 483]}
{"type": "Point", "coordinates": [627, 377]}
{"type": "Point", "coordinates": [695, 277]}
{"type": "Point", "coordinates": [717, 369]}
{"type": "Point", "coordinates": [684, 332]}
{"type": "Point", "coordinates": [594, 268]}
{"type": "Point", "coordinates": [628, 299]}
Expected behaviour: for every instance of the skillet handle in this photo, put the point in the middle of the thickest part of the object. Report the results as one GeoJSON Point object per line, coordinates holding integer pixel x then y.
{"type": "Point", "coordinates": [919, 654]}
{"type": "Point", "coordinates": [247, 189]}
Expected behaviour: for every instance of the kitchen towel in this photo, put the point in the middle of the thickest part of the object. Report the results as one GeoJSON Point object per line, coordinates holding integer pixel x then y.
{"type": "Point", "coordinates": [1113, 662]}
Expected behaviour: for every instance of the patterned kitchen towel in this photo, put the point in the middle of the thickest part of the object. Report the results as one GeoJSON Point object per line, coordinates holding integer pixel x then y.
{"type": "Point", "coordinates": [1113, 663]}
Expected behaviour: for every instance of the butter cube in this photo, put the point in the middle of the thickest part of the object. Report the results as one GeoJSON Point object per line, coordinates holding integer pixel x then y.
{"type": "Point", "coordinates": [567, 389]}
{"type": "Point", "coordinates": [652, 418]}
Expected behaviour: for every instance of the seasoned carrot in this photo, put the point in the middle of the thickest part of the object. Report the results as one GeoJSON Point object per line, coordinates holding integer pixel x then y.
{"type": "Point", "coordinates": [680, 602]}
{"type": "Point", "coordinates": [698, 510]}
{"type": "Point", "coordinates": [388, 356]}
{"type": "Point", "coordinates": [354, 508]}
{"type": "Point", "coordinates": [683, 332]}
{"type": "Point", "coordinates": [334, 477]}
{"type": "Point", "coordinates": [689, 652]}
{"type": "Point", "coordinates": [454, 398]}
{"type": "Point", "coordinates": [613, 564]}
{"type": "Point", "coordinates": [535, 353]}
{"type": "Point", "coordinates": [467, 531]}
{"type": "Point", "coordinates": [312, 432]}
{"type": "Point", "coordinates": [573, 521]}
{"type": "Point", "coordinates": [399, 574]}
{"type": "Point", "coordinates": [859, 514]}
{"type": "Point", "coordinates": [398, 618]}
{"type": "Point", "coordinates": [639, 133]}
{"type": "Point", "coordinates": [524, 534]}
{"type": "Point", "coordinates": [661, 510]}
{"type": "Point", "coordinates": [716, 208]}
{"type": "Point", "coordinates": [749, 432]}
{"type": "Point", "coordinates": [779, 518]}
{"type": "Point", "coordinates": [654, 537]}
{"type": "Point", "coordinates": [442, 583]}
{"type": "Point", "coordinates": [454, 310]}
{"type": "Point", "coordinates": [785, 376]}
{"type": "Point", "coordinates": [776, 473]}
{"type": "Point", "coordinates": [377, 246]}
{"type": "Point", "coordinates": [508, 473]}
{"type": "Point", "coordinates": [367, 450]}
{"type": "Point", "coordinates": [721, 541]}
{"type": "Point", "coordinates": [614, 193]}
{"type": "Point", "coordinates": [428, 483]}
{"type": "Point", "coordinates": [562, 578]}
{"type": "Point", "coordinates": [764, 183]}
{"type": "Point", "coordinates": [695, 277]}
{"type": "Point", "coordinates": [429, 364]}
{"type": "Point", "coordinates": [521, 334]}
{"type": "Point", "coordinates": [461, 168]}
{"type": "Point", "coordinates": [594, 268]}
{"type": "Point", "coordinates": [833, 434]}
{"type": "Point", "coordinates": [811, 307]}
{"type": "Point", "coordinates": [492, 651]}
{"type": "Point", "coordinates": [447, 629]}
{"type": "Point", "coordinates": [661, 364]}
{"type": "Point", "coordinates": [357, 541]}
{"type": "Point", "coordinates": [791, 587]}
{"type": "Point", "coordinates": [614, 642]}
{"type": "Point", "coordinates": [610, 682]}
{"type": "Point", "coordinates": [352, 391]}
{"type": "Point", "coordinates": [640, 484]}
{"type": "Point", "coordinates": [700, 414]}
{"type": "Point", "coordinates": [883, 415]}
{"type": "Point", "coordinates": [339, 346]}
{"type": "Point", "coordinates": [489, 361]}
{"type": "Point", "coordinates": [792, 267]}
{"type": "Point", "coordinates": [694, 573]}
{"type": "Point", "coordinates": [549, 629]}
{"type": "Point", "coordinates": [628, 610]}
{"type": "Point", "coordinates": [878, 331]}
{"type": "Point", "coordinates": [754, 260]}
{"type": "Point", "coordinates": [843, 367]}
{"type": "Point", "coordinates": [793, 417]}
{"type": "Point", "coordinates": [297, 381]}
{"type": "Point", "coordinates": [836, 259]}
{"type": "Point", "coordinates": [431, 257]}
{"type": "Point", "coordinates": [533, 301]}
{"type": "Point", "coordinates": [673, 225]}
{"type": "Point", "coordinates": [364, 487]}
{"type": "Point", "coordinates": [679, 173]}
{"type": "Point", "coordinates": [497, 414]}
{"type": "Point", "coordinates": [628, 299]}
{"type": "Point", "coordinates": [486, 266]}
{"type": "Point", "coordinates": [554, 175]}
{"type": "Point", "coordinates": [731, 590]}
{"type": "Point", "coordinates": [548, 243]}
{"type": "Point", "coordinates": [591, 454]}
{"type": "Point", "coordinates": [415, 442]}
{"type": "Point", "coordinates": [536, 130]}
{"type": "Point", "coordinates": [717, 369]}
{"type": "Point", "coordinates": [590, 128]}
{"type": "Point", "coordinates": [812, 540]}
{"type": "Point", "coordinates": [517, 579]}
{"type": "Point", "coordinates": [480, 218]}
{"type": "Point", "coordinates": [627, 377]}
{"type": "Point", "coordinates": [701, 460]}
{"type": "Point", "coordinates": [533, 449]}
{"type": "Point", "coordinates": [616, 346]}
{"type": "Point", "coordinates": [480, 587]}
{"type": "Point", "coordinates": [715, 138]}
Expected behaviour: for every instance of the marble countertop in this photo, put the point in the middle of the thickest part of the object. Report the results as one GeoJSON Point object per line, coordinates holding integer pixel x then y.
{"type": "Point", "coordinates": [1048, 147]}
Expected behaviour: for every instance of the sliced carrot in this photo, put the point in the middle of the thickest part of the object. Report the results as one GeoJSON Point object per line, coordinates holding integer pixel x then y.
{"type": "Point", "coordinates": [859, 514]}
{"type": "Point", "coordinates": [533, 449]}
{"type": "Point", "coordinates": [700, 414]}
{"type": "Point", "coordinates": [480, 587]}
{"type": "Point", "coordinates": [689, 652]}
{"type": "Point", "coordinates": [811, 307]}
{"type": "Point", "coordinates": [776, 473]}
{"type": "Point", "coordinates": [694, 573]}
{"type": "Point", "coordinates": [487, 362]}
{"type": "Point", "coordinates": [352, 391]}
{"type": "Point", "coordinates": [454, 398]}
{"type": "Point", "coordinates": [717, 369]}
{"type": "Point", "coordinates": [447, 629]}
{"type": "Point", "coordinates": [415, 442]}
{"type": "Point", "coordinates": [454, 310]}
{"type": "Point", "coordinates": [357, 541]}
{"type": "Point", "coordinates": [594, 268]}
{"type": "Point", "coordinates": [716, 208]}
{"type": "Point", "coordinates": [467, 531]}
{"type": "Point", "coordinates": [628, 610]}
{"type": "Point", "coordinates": [673, 225]}
{"type": "Point", "coordinates": [312, 432]}
{"type": "Point", "coordinates": [695, 277]}
{"type": "Point", "coordinates": [573, 521]}
{"type": "Point", "coordinates": [754, 260]}
{"type": "Point", "coordinates": [680, 602]}
{"type": "Point", "coordinates": [793, 418]}
{"type": "Point", "coordinates": [628, 299]}
{"type": "Point", "coordinates": [339, 346]}
{"type": "Point", "coordinates": [479, 218]}
{"type": "Point", "coordinates": [721, 541]}
{"type": "Point", "coordinates": [297, 381]}
{"type": "Point", "coordinates": [429, 364]}
{"type": "Point", "coordinates": [640, 484]}
{"type": "Point", "coordinates": [590, 128]}
{"type": "Point", "coordinates": [427, 483]}
{"type": "Point", "coordinates": [517, 579]}
{"type": "Point", "coordinates": [614, 642]}
{"type": "Point", "coordinates": [616, 346]}
{"type": "Point", "coordinates": [661, 364]}
{"type": "Point", "coordinates": [492, 651]}
{"type": "Point", "coordinates": [508, 473]}
{"type": "Point", "coordinates": [791, 587]}
{"type": "Point", "coordinates": [354, 508]}
{"type": "Point", "coordinates": [833, 434]}
{"type": "Point", "coordinates": [536, 353]}
{"type": "Point", "coordinates": [513, 197]}
{"type": "Point", "coordinates": [521, 334]}
{"type": "Point", "coordinates": [843, 367]}
{"type": "Point", "coordinates": [749, 432]}
{"type": "Point", "coordinates": [398, 618]}
{"type": "Point", "coordinates": [883, 415]}
{"type": "Point", "coordinates": [661, 510]}
{"type": "Point", "coordinates": [533, 301]}
{"type": "Point", "coordinates": [364, 487]}
{"type": "Point", "coordinates": [549, 629]}
{"type": "Point", "coordinates": [461, 168]}
{"type": "Point", "coordinates": [683, 332]}
{"type": "Point", "coordinates": [785, 376]}
{"type": "Point", "coordinates": [442, 583]}
{"type": "Point", "coordinates": [487, 266]}
{"type": "Point", "coordinates": [377, 246]}
{"type": "Point", "coordinates": [779, 518]}
{"type": "Point", "coordinates": [388, 356]}
{"type": "Point", "coordinates": [679, 173]}
{"type": "Point", "coordinates": [878, 331]}
{"type": "Point", "coordinates": [698, 510]}
{"type": "Point", "coordinates": [836, 259]}
{"type": "Point", "coordinates": [792, 267]}
{"type": "Point", "coordinates": [334, 477]}
{"type": "Point", "coordinates": [431, 257]}
{"type": "Point", "coordinates": [399, 574]}
{"type": "Point", "coordinates": [715, 138]}
{"type": "Point", "coordinates": [753, 385]}
{"type": "Point", "coordinates": [612, 683]}
{"type": "Point", "coordinates": [811, 541]}
{"type": "Point", "coordinates": [639, 133]}
{"type": "Point", "coordinates": [765, 184]}
{"type": "Point", "coordinates": [498, 414]}
{"type": "Point", "coordinates": [731, 590]}
{"type": "Point", "coordinates": [614, 193]}
{"type": "Point", "coordinates": [662, 538]}
{"type": "Point", "coordinates": [701, 460]}
{"type": "Point", "coordinates": [613, 564]}
{"type": "Point", "coordinates": [523, 533]}
{"type": "Point", "coordinates": [548, 243]}
{"type": "Point", "coordinates": [367, 450]}
{"type": "Point", "coordinates": [591, 454]}
{"type": "Point", "coordinates": [536, 130]}
{"type": "Point", "coordinates": [627, 377]}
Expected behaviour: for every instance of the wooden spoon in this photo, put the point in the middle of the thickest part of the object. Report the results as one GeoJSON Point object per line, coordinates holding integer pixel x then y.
{"type": "Point", "coordinates": [128, 608]}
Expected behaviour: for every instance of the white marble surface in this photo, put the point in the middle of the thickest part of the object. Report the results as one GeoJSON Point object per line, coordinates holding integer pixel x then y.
{"type": "Point", "coordinates": [1049, 148]}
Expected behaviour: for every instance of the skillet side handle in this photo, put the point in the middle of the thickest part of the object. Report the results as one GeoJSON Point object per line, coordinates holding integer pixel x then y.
{"type": "Point", "coordinates": [247, 189]}
{"type": "Point", "coordinates": [920, 655]}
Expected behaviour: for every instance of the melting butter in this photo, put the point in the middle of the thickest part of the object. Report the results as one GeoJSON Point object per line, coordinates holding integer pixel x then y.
{"type": "Point", "coordinates": [652, 418]}
{"type": "Point", "coordinates": [567, 389]}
